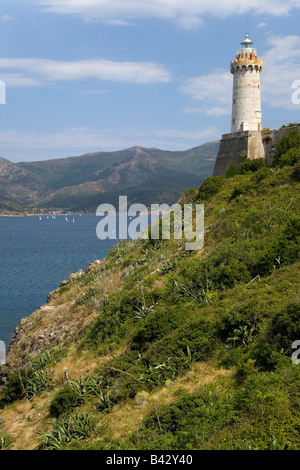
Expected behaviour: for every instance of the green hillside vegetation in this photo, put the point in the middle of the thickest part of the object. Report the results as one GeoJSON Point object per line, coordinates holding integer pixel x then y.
{"type": "Point", "coordinates": [7, 207]}
{"type": "Point", "coordinates": [170, 349]}
{"type": "Point", "coordinates": [165, 186]}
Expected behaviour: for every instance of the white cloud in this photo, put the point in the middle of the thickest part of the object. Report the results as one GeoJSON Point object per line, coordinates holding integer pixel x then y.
{"type": "Point", "coordinates": [94, 92]}
{"type": "Point", "coordinates": [5, 18]}
{"type": "Point", "coordinates": [261, 25]}
{"type": "Point", "coordinates": [215, 86]}
{"type": "Point", "coordinates": [187, 14]}
{"type": "Point", "coordinates": [18, 145]}
{"type": "Point", "coordinates": [37, 71]}
{"type": "Point", "coordinates": [209, 133]}
{"type": "Point", "coordinates": [216, 111]}
{"type": "Point", "coordinates": [281, 68]}
{"type": "Point", "coordinates": [19, 80]}
{"type": "Point", "coordinates": [213, 91]}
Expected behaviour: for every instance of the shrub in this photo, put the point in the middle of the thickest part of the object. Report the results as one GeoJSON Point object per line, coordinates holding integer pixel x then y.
{"type": "Point", "coordinates": [264, 354]}
{"type": "Point", "coordinates": [291, 124]}
{"type": "Point", "coordinates": [296, 172]}
{"type": "Point", "coordinates": [187, 424]}
{"type": "Point", "coordinates": [290, 158]}
{"type": "Point", "coordinates": [285, 143]}
{"type": "Point", "coordinates": [210, 186]}
{"type": "Point", "coordinates": [286, 326]}
{"type": "Point", "coordinates": [241, 189]}
{"type": "Point", "coordinates": [261, 174]}
{"type": "Point", "coordinates": [245, 368]}
{"type": "Point", "coordinates": [248, 166]}
{"type": "Point", "coordinates": [12, 391]}
{"type": "Point", "coordinates": [65, 400]}
{"type": "Point", "coordinates": [26, 384]}
{"type": "Point", "coordinates": [189, 196]}
{"type": "Point", "coordinates": [251, 166]}
{"type": "Point", "coordinates": [233, 170]}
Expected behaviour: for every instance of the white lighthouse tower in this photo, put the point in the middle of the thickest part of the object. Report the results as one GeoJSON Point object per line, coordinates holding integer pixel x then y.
{"type": "Point", "coordinates": [246, 99]}
{"type": "Point", "coordinates": [245, 140]}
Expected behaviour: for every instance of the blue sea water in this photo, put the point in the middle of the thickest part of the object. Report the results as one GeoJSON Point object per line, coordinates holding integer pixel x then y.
{"type": "Point", "coordinates": [36, 255]}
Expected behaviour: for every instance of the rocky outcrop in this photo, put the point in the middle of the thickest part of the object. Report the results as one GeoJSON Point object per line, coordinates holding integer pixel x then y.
{"type": "Point", "coordinates": [72, 277]}
{"type": "Point", "coordinates": [55, 324]}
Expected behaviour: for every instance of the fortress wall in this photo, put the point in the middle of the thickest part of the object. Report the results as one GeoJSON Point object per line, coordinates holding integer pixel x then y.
{"type": "Point", "coordinates": [256, 144]}
{"type": "Point", "coordinates": [230, 151]}
{"type": "Point", "coordinates": [269, 139]}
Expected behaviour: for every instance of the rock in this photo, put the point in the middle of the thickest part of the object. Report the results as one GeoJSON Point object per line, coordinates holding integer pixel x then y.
{"type": "Point", "coordinates": [93, 265]}
{"type": "Point", "coordinates": [64, 283]}
{"type": "Point", "coordinates": [74, 276]}
{"type": "Point", "coordinates": [140, 399]}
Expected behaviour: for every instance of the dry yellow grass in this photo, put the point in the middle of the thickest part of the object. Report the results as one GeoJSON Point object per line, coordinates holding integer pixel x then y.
{"type": "Point", "coordinates": [128, 416]}
{"type": "Point", "coordinates": [61, 322]}
{"type": "Point", "coordinates": [77, 366]}
{"type": "Point", "coordinates": [24, 421]}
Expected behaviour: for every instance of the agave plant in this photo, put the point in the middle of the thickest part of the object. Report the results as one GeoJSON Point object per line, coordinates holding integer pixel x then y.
{"type": "Point", "coordinates": [143, 312]}
{"type": "Point", "coordinates": [42, 360]}
{"type": "Point", "coordinates": [74, 427]}
{"type": "Point", "coordinates": [107, 401]}
{"type": "Point", "coordinates": [87, 387]}
{"type": "Point", "coordinates": [36, 383]}
{"type": "Point", "coordinates": [242, 335]}
{"type": "Point", "coordinates": [5, 442]}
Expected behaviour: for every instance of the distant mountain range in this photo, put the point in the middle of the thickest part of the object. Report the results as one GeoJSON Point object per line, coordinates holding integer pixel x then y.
{"type": "Point", "coordinates": [81, 183]}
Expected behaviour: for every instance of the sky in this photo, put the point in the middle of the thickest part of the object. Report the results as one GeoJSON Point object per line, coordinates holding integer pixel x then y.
{"type": "Point", "coordinates": [84, 76]}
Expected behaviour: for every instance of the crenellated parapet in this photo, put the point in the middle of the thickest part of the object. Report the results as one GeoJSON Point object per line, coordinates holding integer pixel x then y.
{"type": "Point", "coordinates": [246, 59]}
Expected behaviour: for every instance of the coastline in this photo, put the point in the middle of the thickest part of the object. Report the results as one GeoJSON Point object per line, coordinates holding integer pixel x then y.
{"type": "Point", "coordinates": [42, 214]}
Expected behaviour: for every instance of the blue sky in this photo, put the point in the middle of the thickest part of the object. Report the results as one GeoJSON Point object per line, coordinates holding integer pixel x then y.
{"type": "Point", "coordinates": [99, 75]}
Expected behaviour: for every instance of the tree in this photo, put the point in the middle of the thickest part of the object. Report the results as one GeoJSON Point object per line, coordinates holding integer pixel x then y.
{"type": "Point", "coordinates": [286, 143]}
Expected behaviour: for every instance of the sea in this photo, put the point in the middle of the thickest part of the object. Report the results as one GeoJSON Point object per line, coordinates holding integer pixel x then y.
{"type": "Point", "coordinates": [37, 254]}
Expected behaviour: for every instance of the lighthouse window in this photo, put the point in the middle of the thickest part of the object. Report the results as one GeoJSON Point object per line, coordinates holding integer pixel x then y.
{"type": "Point", "coordinates": [233, 101]}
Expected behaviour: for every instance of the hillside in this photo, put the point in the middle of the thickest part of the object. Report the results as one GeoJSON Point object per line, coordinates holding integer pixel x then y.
{"type": "Point", "coordinates": [12, 208]}
{"type": "Point", "coordinates": [19, 186]}
{"type": "Point", "coordinates": [156, 347]}
{"type": "Point", "coordinates": [82, 183]}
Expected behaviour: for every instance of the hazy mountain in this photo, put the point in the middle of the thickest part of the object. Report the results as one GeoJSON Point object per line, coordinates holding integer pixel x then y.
{"type": "Point", "coordinates": [19, 185]}
{"type": "Point", "coordinates": [82, 183]}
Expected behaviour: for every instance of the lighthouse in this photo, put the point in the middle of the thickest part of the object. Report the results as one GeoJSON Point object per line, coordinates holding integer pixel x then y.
{"type": "Point", "coordinates": [245, 139]}
{"type": "Point", "coordinates": [246, 98]}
